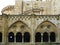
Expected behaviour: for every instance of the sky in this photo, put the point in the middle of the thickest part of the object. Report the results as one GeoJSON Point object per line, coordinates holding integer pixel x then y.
{"type": "Point", "coordinates": [4, 3]}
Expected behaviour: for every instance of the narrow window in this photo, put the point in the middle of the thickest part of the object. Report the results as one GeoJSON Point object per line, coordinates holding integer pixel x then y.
{"type": "Point", "coordinates": [45, 37]}
{"type": "Point", "coordinates": [38, 37]}
{"type": "Point", "coordinates": [26, 37]}
{"type": "Point", "coordinates": [0, 37]}
{"type": "Point", "coordinates": [52, 37]}
{"type": "Point", "coordinates": [19, 37]}
{"type": "Point", "coordinates": [11, 37]}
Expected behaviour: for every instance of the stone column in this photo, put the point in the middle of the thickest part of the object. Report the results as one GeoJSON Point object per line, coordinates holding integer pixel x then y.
{"type": "Point", "coordinates": [5, 28]}
{"type": "Point", "coordinates": [33, 28]}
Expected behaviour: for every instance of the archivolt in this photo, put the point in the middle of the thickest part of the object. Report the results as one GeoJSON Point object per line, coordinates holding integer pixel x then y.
{"type": "Point", "coordinates": [46, 23]}
{"type": "Point", "coordinates": [19, 22]}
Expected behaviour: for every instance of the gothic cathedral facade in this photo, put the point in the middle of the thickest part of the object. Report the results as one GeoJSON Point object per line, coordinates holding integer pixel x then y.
{"type": "Point", "coordinates": [34, 22]}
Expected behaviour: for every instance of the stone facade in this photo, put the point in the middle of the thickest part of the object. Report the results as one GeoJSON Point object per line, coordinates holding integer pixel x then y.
{"type": "Point", "coordinates": [21, 18]}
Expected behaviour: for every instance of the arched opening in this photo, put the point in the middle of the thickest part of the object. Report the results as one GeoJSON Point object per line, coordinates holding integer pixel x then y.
{"type": "Point", "coordinates": [22, 26]}
{"type": "Point", "coordinates": [19, 37]}
{"type": "Point", "coordinates": [26, 37]}
{"type": "Point", "coordinates": [0, 37]}
{"type": "Point", "coordinates": [45, 37]}
{"type": "Point", "coordinates": [52, 37]}
{"type": "Point", "coordinates": [11, 37]}
{"type": "Point", "coordinates": [38, 37]}
{"type": "Point", "coordinates": [47, 26]}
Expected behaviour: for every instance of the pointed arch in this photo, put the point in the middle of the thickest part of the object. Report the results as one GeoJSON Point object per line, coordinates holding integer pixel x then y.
{"type": "Point", "coordinates": [22, 26]}
{"type": "Point", "coordinates": [48, 22]}
{"type": "Point", "coordinates": [17, 22]}
{"type": "Point", "coordinates": [45, 28]}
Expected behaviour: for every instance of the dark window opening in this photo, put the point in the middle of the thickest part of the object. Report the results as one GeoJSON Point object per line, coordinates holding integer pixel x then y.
{"type": "Point", "coordinates": [45, 37]}
{"type": "Point", "coordinates": [52, 37]}
{"type": "Point", "coordinates": [11, 37]}
{"type": "Point", "coordinates": [38, 37]}
{"type": "Point", "coordinates": [0, 37]}
{"type": "Point", "coordinates": [26, 37]}
{"type": "Point", "coordinates": [19, 37]}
